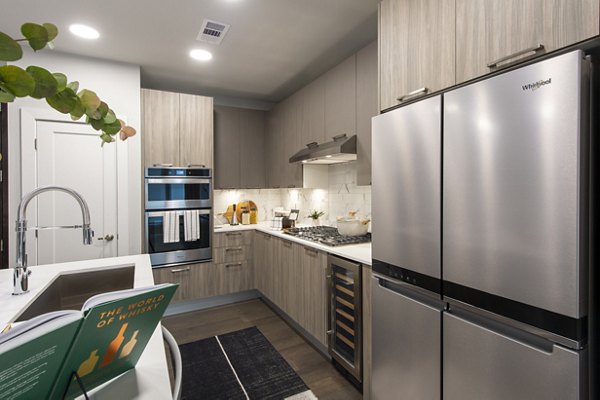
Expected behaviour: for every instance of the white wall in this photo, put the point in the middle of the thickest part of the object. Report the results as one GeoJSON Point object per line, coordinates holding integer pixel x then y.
{"type": "Point", "coordinates": [119, 86]}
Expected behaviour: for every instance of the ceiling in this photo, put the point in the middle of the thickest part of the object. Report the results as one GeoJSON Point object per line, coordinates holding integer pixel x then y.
{"type": "Point", "coordinates": [273, 47]}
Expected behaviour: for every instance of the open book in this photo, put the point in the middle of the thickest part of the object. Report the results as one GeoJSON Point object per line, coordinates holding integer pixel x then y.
{"type": "Point", "coordinates": [38, 357]}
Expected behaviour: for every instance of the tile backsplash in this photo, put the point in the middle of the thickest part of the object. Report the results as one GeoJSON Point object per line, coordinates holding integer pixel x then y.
{"type": "Point", "coordinates": [342, 196]}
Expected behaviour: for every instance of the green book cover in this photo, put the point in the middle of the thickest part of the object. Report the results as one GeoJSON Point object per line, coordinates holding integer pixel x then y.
{"type": "Point", "coordinates": [30, 362]}
{"type": "Point", "coordinates": [38, 358]}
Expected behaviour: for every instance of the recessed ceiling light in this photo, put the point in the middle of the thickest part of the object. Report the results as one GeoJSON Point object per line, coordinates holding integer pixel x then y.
{"type": "Point", "coordinates": [304, 161]}
{"type": "Point", "coordinates": [201, 55]}
{"type": "Point", "coordinates": [328, 156]}
{"type": "Point", "coordinates": [84, 31]}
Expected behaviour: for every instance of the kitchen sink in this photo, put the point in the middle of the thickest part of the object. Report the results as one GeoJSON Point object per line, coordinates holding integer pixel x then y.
{"type": "Point", "coordinates": [69, 290]}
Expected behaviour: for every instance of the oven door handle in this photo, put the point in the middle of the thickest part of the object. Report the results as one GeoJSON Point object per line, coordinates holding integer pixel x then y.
{"type": "Point", "coordinates": [163, 181]}
{"type": "Point", "coordinates": [179, 213]}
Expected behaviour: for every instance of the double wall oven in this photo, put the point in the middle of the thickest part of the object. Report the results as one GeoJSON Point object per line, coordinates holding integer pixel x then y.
{"type": "Point", "coordinates": [178, 217]}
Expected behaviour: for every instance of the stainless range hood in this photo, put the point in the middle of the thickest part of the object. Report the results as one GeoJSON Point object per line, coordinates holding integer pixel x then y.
{"type": "Point", "coordinates": [341, 149]}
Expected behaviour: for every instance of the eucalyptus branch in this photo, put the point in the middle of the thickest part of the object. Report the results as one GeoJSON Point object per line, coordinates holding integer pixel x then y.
{"type": "Point", "coordinates": [62, 95]}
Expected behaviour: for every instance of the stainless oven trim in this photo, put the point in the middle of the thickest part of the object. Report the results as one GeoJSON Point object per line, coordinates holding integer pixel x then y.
{"type": "Point", "coordinates": [180, 257]}
{"type": "Point", "coordinates": [178, 180]}
{"type": "Point", "coordinates": [161, 205]}
{"type": "Point", "coordinates": [189, 167]}
{"type": "Point", "coordinates": [179, 213]}
{"type": "Point", "coordinates": [175, 257]}
{"type": "Point", "coordinates": [356, 368]}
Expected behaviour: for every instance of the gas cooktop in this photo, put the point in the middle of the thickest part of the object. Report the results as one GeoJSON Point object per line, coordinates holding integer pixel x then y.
{"type": "Point", "coordinates": [327, 235]}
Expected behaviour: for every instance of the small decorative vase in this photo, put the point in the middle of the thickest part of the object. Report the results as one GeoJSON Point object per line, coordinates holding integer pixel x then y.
{"type": "Point", "coordinates": [316, 222]}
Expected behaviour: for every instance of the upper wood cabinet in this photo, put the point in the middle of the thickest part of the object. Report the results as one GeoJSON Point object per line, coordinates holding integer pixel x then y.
{"type": "Point", "coordinates": [177, 129]}
{"type": "Point", "coordinates": [196, 130]}
{"type": "Point", "coordinates": [227, 148]}
{"type": "Point", "coordinates": [252, 142]}
{"type": "Point", "coordinates": [312, 113]}
{"type": "Point", "coordinates": [239, 148]}
{"type": "Point", "coordinates": [160, 127]}
{"type": "Point", "coordinates": [489, 30]}
{"type": "Point", "coordinates": [416, 39]}
{"type": "Point", "coordinates": [366, 109]}
{"type": "Point", "coordinates": [340, 99]}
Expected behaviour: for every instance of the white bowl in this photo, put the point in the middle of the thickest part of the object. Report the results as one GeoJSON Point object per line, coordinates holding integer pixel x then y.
{"type": "Point", "coordinates": [352, 227]}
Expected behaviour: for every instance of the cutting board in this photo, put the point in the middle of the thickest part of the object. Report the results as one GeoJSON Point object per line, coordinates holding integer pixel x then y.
{"type": "Point", "coordinates": [241, 206]}
{"type": "Point", "coordinates": [245, 205]}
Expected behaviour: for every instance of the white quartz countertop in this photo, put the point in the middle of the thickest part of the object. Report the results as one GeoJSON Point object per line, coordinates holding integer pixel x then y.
{"type": "Point", "coordinates": [356, 252]}
{"type": "Point", "coordinates": [150, 378]}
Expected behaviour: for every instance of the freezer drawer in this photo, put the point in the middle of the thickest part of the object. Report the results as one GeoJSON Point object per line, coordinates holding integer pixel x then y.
{"type": "Point", "coordinates": [406, 344]}
{"type": "Point", "coordinates": [406, 187]}
{"type": "Point", "coordinates": [481, 363]}
{"type": "Point", "coordinates": [515, 186]}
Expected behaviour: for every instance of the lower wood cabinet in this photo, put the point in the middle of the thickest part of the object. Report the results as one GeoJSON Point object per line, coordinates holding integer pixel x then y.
{"type": "Point", "coordinates": [235, 276]}
{"type": "Point", "coordinates": [195, 280]}
{"type": "Point", "coordinates": [294, 278]}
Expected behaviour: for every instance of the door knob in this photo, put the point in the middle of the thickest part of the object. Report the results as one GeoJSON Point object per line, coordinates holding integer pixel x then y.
{"type": "Point", "coordinates": [108, 237]}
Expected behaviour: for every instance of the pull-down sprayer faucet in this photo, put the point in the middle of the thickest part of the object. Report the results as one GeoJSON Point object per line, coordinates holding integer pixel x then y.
{"type": "Point", "coordinates": [21, 274]}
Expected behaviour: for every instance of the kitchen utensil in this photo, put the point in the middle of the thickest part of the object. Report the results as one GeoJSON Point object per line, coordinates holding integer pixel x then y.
{"type": "Point", "coordinates": [229, 213]}
{"type": "Point", "coordinates": [234, 220]}
{"type": "Point", "coordinates": [352, 226]}
{"type": "Point", "coordinates": [243, 206]}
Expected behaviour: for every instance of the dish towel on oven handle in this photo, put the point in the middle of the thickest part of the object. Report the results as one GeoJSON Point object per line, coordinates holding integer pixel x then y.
{"type": "Point", "coordinates": [171, 227]}
{"type": "Point", "coordinates": [191, 225]}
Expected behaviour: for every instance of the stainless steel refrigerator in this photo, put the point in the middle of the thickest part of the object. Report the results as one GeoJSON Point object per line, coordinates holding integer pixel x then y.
{"type": "Point", "coordinates": [481, 277]}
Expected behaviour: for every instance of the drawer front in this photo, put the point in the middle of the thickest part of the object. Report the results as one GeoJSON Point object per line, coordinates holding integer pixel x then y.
{"type": "Point", "coordinates": [235, 276]}
{"type": "Point", "coordinates": [177, 274]}
{"type": "Point", "coordinates": [232, 253]}
{"type": "Point", "coordinates": [229, 239]}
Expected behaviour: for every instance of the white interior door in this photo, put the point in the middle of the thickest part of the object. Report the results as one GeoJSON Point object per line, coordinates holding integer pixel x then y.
{"type": "Point", "coordinates": [69, 154]}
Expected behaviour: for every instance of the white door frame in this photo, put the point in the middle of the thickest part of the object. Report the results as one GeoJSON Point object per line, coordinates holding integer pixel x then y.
{"type": "Point", "coordinates": [29, 118]}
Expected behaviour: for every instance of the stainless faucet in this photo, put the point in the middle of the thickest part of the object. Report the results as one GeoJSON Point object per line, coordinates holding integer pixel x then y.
{"type": "Point", "coordinates": [21, 274]}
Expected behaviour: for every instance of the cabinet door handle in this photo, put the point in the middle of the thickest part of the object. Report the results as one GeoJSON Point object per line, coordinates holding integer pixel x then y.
{"type": "Point", "coordinates": [287, 244]}
{"type": "Point", "coordinates": [196, 165]}
{"type": "Point", "coordinates": [291, 186]}
{"type": "Point", "coordinates": [535, 49]}
{"type": "Point", "coordinates": [168, 165]}
{"type": "Point", "coordinates": [180, 270]}
{"type": "Point", "coordinates": [234, 234]}
{"type": "Point", "coordinates": [233, 265]}
{"type": "Point", "coordinates": [234, 249]}
{"type": "Point", "coordinates": [310, 250]}
{"type": "Point", "coordinates": [415, 93]}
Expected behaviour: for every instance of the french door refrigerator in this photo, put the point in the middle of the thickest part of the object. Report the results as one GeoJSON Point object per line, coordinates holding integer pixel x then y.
{"type": "Point", "coordinates": [515, 234]}
{"type": "Point", "coordinates": [480, 239]}
{"type": "Point", "coordinates": [406, 243]}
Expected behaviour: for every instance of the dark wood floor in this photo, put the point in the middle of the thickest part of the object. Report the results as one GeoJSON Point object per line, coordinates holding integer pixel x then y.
{"type": "Point", "coordinates": [317, 372]}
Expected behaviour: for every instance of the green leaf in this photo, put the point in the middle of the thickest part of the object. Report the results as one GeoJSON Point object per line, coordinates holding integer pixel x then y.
{"type": "Point", "coordinates": [51, 29]}
{"type": "Point", "coordinates": [90, 100]}
{"type": "Point", "coordinates": [45, 83]}
{"type": "Point", "coordinates": [6, 97]}
{"type": "Point", "coordinates": [112, 129]}
{"type": "Point", "coordinates": [36, 35]}
{"type": "Point", "coordinates": [16, 81]}
{"type": "Point", "coordinates": [77, 111]}
{"type": "Point", "coordinates": [110, 117]}
{"type": "Point", "coordinates": [97, 124]}
{"type": "Point", "coordinates": [106, 138]}
{"type": "Point", "coordinates": [74, 86]}
{"type": "Point", "coordinates": [64, 101]}
{"type": "Point", "coordinates": [61, 79]}
{"type": "Point", "coordinates": [10, 50]}
{"type": "Point", "coordinates": [103, 109]}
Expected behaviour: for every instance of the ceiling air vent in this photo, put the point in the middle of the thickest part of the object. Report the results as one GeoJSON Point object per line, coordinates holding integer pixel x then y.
{"type": "Point", "coordinates": [212, 31]}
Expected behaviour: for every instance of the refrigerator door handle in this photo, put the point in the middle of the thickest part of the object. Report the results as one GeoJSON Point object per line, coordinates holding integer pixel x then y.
{"type": "Point", "coordinates": [517, 335]}
{"type": "Point", "coordinates": [412, 292]}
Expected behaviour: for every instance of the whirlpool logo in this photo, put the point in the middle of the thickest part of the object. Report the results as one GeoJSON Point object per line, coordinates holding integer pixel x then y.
{"type": "Point", "coordinates": [536, 85]}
